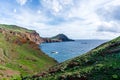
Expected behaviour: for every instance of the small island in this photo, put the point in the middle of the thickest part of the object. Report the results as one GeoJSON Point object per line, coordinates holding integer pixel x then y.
{"type": "Point", "coordinates": [57, 38]}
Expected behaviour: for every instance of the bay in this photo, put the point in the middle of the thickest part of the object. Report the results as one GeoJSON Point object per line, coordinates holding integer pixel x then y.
{"type": "Point", "coordinates": [62, 51]}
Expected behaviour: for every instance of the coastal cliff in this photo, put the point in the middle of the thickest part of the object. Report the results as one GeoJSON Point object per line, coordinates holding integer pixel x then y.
{"type": "Point", "coordinates": [23, 34]}
{"type": "Point", "coordinates": [20, 54]}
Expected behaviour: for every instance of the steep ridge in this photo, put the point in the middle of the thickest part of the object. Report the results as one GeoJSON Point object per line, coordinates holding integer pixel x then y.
{"type": "Point", "coordinates": [101, 63]}
{"type": "Point", "coordinates": [20, 54]}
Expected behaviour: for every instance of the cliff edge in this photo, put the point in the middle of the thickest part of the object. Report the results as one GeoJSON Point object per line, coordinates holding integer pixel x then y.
{"type": "Point", "coordinates": [20, 54]}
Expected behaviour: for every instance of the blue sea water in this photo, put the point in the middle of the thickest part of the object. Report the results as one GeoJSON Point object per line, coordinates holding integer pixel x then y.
{"type": "Point", "coordinates": [62, 51]}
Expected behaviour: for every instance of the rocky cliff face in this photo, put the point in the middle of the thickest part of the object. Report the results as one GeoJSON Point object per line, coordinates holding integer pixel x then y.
{"type": "Point", "coordinates": [20, 54]}
{"type": "Point", "coordinates": [49, 40]}
{"type": "Point", "coordinates": [23, 36]}
{"type": "Point", "coordinates": [34, 37]}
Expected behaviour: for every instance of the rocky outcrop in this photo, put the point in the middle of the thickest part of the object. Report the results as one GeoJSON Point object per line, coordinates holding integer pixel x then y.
{"type": "Point", "coordinates": [23, 36]}
{"type": "Point", "coordinates": [57, 38]}
{"type": "Point", "coordinates": [34, 36]}
{"type": "Point", "coordinates": [61, 37]}
{"type": "Point", "coordinates": [2, 56]}
{"type": "Point", "coordinates": [49, 40]}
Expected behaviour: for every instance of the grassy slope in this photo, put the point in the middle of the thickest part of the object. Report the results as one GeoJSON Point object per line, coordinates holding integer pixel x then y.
{"type": "Point", "coordinates": [15, 28]}
{"type": "Point", "coordinates": [101, 63]}
{"type": "Point", "coordinates": [20, 59]}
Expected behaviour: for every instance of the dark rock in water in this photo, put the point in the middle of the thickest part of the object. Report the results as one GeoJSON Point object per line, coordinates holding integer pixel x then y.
{"type": "Point", "coordinates": [54, 52]}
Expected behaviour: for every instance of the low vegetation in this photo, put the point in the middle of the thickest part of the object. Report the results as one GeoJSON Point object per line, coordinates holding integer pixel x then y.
{"type": "Point", "coordinates": [101, 63]}
{"type": "Point", "coordinates": [15, 28]}
{"type": "Point", "coordinates": [20, 56]}
{"type": "Point", "coordinates": [21, 59]}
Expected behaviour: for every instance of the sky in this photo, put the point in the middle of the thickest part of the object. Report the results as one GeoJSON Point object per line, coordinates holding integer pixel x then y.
{"type": "Point", "coordinates": [78, 19]}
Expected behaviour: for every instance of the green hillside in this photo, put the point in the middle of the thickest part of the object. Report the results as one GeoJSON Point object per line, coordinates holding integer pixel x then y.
{"type": "Point", "coordinates": [18, 55]}
{"type": "Point", "coordinates": [15, 28]}
{"type": "Point", "coordinates": [101, 63]}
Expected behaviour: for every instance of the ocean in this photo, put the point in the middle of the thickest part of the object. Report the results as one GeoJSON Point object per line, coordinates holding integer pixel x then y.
{"type": "Point", "coordinates": [62, 51]}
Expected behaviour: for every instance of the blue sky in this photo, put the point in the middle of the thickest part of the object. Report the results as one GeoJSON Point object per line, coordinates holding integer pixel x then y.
{"type": "Point", "coordinates": [79, 19]}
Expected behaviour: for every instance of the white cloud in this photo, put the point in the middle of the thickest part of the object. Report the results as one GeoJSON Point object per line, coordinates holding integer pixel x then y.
{"type": "Point", "coordinates": [109, 16]}
{"type": "Point", "coordinates": [76, 18]}
{"type": "Point", "coordinates": [38, 11]}
{"type": "Point", "coordinates": [22, 2]}
{"type": "Point", "coordinates": [111, 26]}
{"type": "Point", "coordinates": [14, 10]}
{"type": "Point", "coordinates": [57, 7]}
